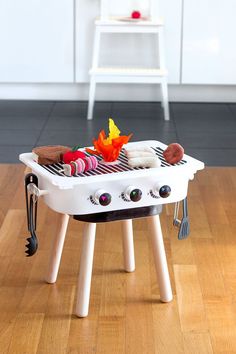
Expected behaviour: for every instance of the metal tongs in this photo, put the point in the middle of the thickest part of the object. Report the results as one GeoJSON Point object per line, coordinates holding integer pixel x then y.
{"type": "Point", "coordinates": [31, 181]}
{"type": "Point", "coordinates": [183, 224]}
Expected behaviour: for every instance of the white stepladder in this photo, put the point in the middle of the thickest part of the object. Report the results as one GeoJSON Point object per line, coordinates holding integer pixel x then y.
{"type": "Point", "coordinates": [158, 75]}
{"type": "Point", "coordinates": [87, 252]}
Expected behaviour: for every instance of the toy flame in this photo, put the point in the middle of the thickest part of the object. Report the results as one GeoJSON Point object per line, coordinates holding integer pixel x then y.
{"type": "Point", "coordinates": [109, 147]}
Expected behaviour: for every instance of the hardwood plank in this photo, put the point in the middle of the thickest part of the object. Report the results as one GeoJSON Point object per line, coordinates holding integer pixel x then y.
{"type": "Point", "coordinates": [111, 335]}
{"type": "Point", "coordinates": [12, 178]}
{"type": "Point", "coordinates": [209, 269]}
{"type": "Point", "coordinates": [220, 312]}
{"type": "Point", "coordinates": [166, 320]}
{"type": "Point", "coordinates": [189, 295]}
{"type": "Point", "coordinates": [139, 319]}
{"type": "Point", "coordinates": [83, 335]}
{"type": "Point", "coordinates": [56, 324]}
{"type": "Point", "coordinates": [113, 279]}
{"type": "Point", "coordinates": [227, 191]}
{"type": "Point", "coordinates": [7, 322]}
{"type": "Point", "coordinates": [197, 343]}
{"type": "Point", "coordinates": [209, 191]}
{"type": "Point", "coordinates": [225, 245]}
{"type": "Point", "coordinates": [37, 291]}
{"type": "Point", "coordinates": [26, 333]}
{"type": "Point", "coordinates": [113, 282]}
{"type": "Point", "coordinates": [10, 299]}
{"type": "Point", "coordinates": [10, 230]}
{"type": "Point", "coordinates": [199, 222]}
{"type": "Point", "coordinates": [224, 340]}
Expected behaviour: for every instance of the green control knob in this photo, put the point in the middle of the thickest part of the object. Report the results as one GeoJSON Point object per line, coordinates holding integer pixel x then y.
{"type": "Point", "coordinates": [132, 194]}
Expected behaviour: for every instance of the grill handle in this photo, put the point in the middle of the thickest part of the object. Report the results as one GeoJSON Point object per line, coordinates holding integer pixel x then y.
{"type": "Point", "coordinates": [33, 189]}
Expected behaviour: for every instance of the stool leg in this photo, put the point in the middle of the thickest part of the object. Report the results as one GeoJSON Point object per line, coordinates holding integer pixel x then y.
{"type": "Point", "coordinates": [164, 83]}
{"type": "Point", "coordinates": [160, 259]}
{"type": "Point", "coordinates": [165, 104]}
{"type": "Point", "coordinates": [56, 249]}
{"type": "Point", "coordinates": [85, 272]}
{"type": "Point", "coordinates": [92, 90]}
{"type": "Point", "coordinates": [128, 245]}
{"type": "Point", "coordinates": [95, 62]}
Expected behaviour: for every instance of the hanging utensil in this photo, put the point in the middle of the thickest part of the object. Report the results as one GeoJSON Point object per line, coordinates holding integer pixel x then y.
{"type": "Point", "coordinates": [176, 221]}
{"type": "Point", "coordinates": [31, 206]}
{"type": "Point", "coordinates": [184, 228]}
{"type": "Point", "coordinates": [182, 224]}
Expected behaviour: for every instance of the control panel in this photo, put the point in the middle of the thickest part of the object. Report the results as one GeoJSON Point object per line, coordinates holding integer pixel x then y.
{"type": "Point", "coordinates": [132, 194]}
{"type": "Point", "coordinates": [128, 193]}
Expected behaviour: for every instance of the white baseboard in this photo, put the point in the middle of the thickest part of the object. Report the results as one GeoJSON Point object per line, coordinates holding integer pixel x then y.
{"type": "Point", "coordinates": [177, 93]}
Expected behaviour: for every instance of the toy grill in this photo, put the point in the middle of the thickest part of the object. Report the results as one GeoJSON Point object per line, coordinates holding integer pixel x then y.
{"type": "Point", "coordinates": [78, 195]}
{"type": "Point", "coordinates": [109, 193]}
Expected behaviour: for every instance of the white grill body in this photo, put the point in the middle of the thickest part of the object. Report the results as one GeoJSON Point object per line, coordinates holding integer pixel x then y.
{"type": "Point", "coordinates": [74, 195]}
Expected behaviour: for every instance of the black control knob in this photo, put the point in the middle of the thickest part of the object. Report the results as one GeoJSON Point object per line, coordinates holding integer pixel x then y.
{"type": "Point", "coordinates": [132, 194]}
{"type": "Point", "coordinates": [164, 191]}
{"type": "Point", "coordinates": [102, 197]}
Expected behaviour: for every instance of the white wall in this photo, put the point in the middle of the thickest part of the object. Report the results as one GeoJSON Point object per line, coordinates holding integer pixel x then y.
{"type": "Point", "coordinates": [36, 41]}
{"type": "Point", "coordinates": [46, 48]}
{"type": "Point", "coordinates": [209, 50]}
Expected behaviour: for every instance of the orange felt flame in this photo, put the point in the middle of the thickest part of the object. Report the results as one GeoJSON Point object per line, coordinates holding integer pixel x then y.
{"type": "Point", "coordinates": [109, 147]}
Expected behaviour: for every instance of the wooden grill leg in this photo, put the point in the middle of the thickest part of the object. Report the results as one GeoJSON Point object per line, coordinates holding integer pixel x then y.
{"type": "Point", "coordinates": [56, 248]}
{"type": "Point", "coordinates": [85, 272]}
{"type": "Point", "coordinates": [128, 245]}
{"type": "Point", "coordinates": [160, 259]}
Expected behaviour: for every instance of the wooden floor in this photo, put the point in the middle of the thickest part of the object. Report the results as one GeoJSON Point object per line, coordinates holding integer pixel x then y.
{"type": "Point", "coordinates": [125, 315]}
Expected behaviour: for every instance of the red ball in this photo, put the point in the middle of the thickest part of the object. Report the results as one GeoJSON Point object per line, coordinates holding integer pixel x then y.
{"type": "Point", "coordinates": [136, 14]}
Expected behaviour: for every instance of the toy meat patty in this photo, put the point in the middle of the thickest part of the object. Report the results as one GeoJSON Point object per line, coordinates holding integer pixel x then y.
{"type": "Point", "coordinates": [47, 155]}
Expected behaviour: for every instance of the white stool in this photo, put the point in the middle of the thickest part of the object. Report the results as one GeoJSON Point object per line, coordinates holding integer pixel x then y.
{"type": "Point", "coordinates": [86, 260]}
{"type": "Point", "coordinates": [128, 75]}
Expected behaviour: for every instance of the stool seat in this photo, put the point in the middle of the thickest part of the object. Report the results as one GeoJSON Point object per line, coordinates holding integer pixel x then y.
{"type": "Point", "coordinates": [129, 75]}
{"type": "Point", "coordinates": [121, 21]}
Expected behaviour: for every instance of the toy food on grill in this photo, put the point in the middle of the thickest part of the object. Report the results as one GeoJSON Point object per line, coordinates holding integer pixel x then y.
{"type": "Point", "coordinates": [73, 156]}
{"type": "Point", "coordinates": [80, 165]}
{"type": "Point", "coordinates": [142, 156]}
{"type": "Point", "coordinates": [76, 162]}
{"type": "Point", "coordinates": [47, 155]}
{"type": "Point", "coordinates": [174, 153]}
{"type": "Point", "coordinates": [109, 147]}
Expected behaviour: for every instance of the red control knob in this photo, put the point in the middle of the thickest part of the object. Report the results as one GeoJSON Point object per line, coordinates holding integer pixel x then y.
{"type": "Point", "coordinates": [102, 197]}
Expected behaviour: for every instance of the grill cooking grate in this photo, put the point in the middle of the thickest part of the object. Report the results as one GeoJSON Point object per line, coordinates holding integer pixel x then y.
{"type": "Point", "coordinates": [56, 169]}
